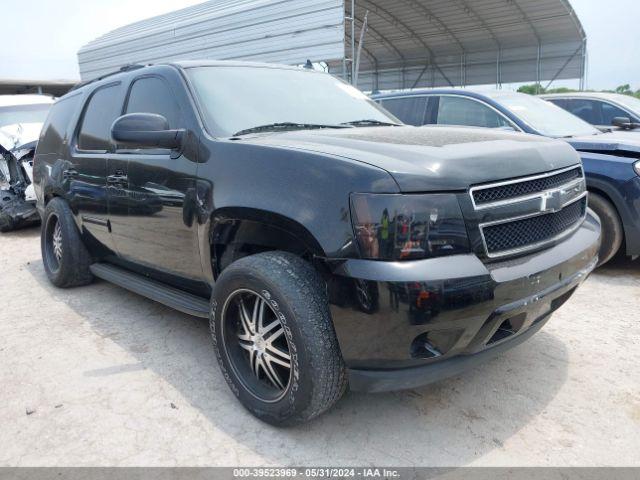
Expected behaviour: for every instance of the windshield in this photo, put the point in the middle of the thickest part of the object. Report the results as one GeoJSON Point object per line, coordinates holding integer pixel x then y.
{"type": "Point", "coordinates": [17, 114]}
{"type": "Point", "coordinates": [544, 117]}
{"type": "Point", "coordinates": [238, 98]}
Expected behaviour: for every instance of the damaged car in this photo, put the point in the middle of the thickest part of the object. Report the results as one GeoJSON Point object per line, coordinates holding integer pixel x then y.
{"type": "Point", "coordinates": [21, 120]}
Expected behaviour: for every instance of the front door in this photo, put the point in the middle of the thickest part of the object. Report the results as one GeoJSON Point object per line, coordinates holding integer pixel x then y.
{"type": "Point", "coordinates": [156, 190]}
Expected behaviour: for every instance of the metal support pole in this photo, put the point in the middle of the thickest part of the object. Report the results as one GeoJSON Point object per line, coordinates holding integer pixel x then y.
{"type": "Point", "coordinates": [565, 65]}
{"type": "Point", "coordinates": [538, 71]}
{"type": "Point", "coordinates": [363, 31]}
{"type": "Point", "coordinates": [424, 70]}
{"type": "Point", "coordinates": [463, 70]}
{"type": "Point", "coordinates": [583, 66]}
{"type": "Point", "coordinates": [353, 40]}
{"type": "Point", "coordinates": [498, 72]}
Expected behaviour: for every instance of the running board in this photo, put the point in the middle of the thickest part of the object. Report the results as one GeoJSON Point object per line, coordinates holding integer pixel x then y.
{"type": "Point", "coordinates": [169, 296]}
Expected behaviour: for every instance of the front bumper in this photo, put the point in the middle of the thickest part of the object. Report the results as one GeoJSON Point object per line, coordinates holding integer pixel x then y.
{"type": "Point", "coordinates": [406, 324]}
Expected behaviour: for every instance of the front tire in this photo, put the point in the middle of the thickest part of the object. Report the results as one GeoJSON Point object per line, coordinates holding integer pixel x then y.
{"type": "Point", "coordinates": [66, 259]}
{"type": "Point", "coordinates": [612, 231]}
{"type": "Point", "coordinates": [274, 338]}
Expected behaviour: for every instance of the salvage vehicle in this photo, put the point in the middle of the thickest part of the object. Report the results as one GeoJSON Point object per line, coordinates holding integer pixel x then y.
{"type": "Point", "coordinates": [611, 160]}
{"type": "Point", "coordinates": [606, 111]}
{"type": "Point", "coordinates": [21, 119]}
{"type": "Point", "coordinates": [329, 247]}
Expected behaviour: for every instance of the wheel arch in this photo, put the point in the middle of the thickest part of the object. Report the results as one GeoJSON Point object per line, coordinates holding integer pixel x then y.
{"type": "Point", "coordinates": [236, 232]}
{"type": "Point", "coordinates": [603, 191]}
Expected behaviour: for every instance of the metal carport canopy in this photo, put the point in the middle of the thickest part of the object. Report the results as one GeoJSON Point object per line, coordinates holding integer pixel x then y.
{"type": "Point", "coordinates": [406, 43]}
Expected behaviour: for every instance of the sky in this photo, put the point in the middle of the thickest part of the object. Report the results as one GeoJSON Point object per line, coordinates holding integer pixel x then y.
{"type": "Point", "coordinates": [46, 35]}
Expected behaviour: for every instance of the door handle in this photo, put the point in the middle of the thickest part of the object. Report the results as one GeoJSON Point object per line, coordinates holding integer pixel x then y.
{"type": "Point", "coordinates": [70, 173]}
{"type": "Point", "coordinates": [118, 178]}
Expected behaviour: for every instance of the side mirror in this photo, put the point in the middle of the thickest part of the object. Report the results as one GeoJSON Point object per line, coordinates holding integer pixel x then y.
{"type": "Point", "coordinates": [622, 122]}
{"type": "Point", "coordinates": [145, 130]}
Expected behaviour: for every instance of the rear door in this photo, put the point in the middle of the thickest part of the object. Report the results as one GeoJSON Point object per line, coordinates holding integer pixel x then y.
{"type": "Point", "coordinates": [157, 231]}
{"type": "Point", "coordinates": [87, 172]}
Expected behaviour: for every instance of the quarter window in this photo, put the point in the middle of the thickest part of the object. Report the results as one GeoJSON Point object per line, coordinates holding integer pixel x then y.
{"type": "Point", "coordinates": [103, 108]}
{"type": "Point", "coordinates": [153, 95]}
{"type": "Point", "coordinates": [55, 128]}
{"type": "Point", "coordinates": [463, 111]}
{"type": "Point", "coordinates": [410, 110]}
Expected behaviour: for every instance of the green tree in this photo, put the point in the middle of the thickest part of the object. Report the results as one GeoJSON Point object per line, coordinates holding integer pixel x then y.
{"type": "Point", "coordinates": [561, 90]}
{"type": "Point", "coordinates": [532, 89]}
{"type": "Point", "coordinates": [624, 89]}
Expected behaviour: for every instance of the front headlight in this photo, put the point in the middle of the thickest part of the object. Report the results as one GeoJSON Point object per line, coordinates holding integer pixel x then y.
{"type": "Point", "coordinates": [408, 227]}
{"type": "Point", "coordinates": [636, 167]}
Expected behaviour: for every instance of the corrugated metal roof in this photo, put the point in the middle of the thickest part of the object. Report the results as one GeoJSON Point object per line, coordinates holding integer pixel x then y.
{"type": "Point", "coordinates": [284, 31]}
{"type": "Point", "coordinates": [408, 43]}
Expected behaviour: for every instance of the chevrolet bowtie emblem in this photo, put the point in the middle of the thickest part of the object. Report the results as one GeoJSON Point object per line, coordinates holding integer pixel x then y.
{"type": "Point", "coordinates": [553, 201]}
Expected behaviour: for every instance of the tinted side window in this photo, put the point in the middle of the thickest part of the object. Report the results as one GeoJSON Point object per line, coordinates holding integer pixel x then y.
{"type": "Point", "coordinates": [609, 112]}
{"type": "Point", "coordinates": [103, 108]}
{"type": "Point", "coordinates": [463, 111]}
{"type": "Point", "coordinates": [587, 110]}
{"type": "Point", "coordinates": [55, 128]}
{"type": "Point", "coordinates": [153, 95]}
{"type": "Point", "coordinates": [410, 110]}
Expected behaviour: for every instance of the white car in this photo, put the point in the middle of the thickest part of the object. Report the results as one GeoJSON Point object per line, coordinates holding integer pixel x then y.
{"type": "Point", "coordinates": [606, 111]}
{"type": "Point", "coordinates": [21, 120]}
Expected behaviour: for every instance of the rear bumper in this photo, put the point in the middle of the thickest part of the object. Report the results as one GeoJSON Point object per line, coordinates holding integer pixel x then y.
{"type": "Point", "coordinates": [409, 324]}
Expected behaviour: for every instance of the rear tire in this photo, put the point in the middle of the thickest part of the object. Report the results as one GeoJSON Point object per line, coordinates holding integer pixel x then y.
{"type": "Point", "coordinates": [66, 259]}
{"type": "Point", "coordinates": [612, 231]}
{"type": "Point", "coordinates": [296, 330]}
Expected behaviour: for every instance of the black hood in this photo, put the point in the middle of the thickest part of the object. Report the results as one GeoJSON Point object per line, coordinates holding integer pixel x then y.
{"type": "Point", "coordinates": [422, 159]}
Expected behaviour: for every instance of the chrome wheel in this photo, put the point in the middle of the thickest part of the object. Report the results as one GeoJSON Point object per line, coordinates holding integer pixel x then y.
{"type": "Point", "coordinates": [256, 344]}
{"type": "Point", "coordinates": [53, 243]}
{"type": "Point", "coordinates": [57, 242]}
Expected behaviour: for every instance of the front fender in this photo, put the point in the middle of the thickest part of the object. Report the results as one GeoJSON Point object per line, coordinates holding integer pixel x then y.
{"type": "Point", "coordinates": [306, 192]}
{"type": "Point", "coordinates": [615, 177]}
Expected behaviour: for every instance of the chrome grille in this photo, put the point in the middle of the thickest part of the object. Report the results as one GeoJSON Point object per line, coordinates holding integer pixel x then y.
{"type": "Point", "coordinates": [516, 216]}
{"type": "Point", "coordinates": [531, 231]}
{"type": "Point", "coordinates": [527, 187]}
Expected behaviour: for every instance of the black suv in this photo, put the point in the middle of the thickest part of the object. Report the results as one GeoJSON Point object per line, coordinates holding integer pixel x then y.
{"type": "Point", "coordinates": [329, 245]}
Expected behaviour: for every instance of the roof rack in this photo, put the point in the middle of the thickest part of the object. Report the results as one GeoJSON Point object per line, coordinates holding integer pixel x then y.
{"type": "Point", "coordinates": [126, 68]}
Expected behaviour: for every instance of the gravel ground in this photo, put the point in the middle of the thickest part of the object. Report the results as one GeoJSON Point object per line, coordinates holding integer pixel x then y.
{"type": "Point", "coordinates": [99, 376]}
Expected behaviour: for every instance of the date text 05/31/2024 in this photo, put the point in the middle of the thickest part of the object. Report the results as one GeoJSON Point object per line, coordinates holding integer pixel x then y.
{"type": "Point", "coordinates": [328, 472]}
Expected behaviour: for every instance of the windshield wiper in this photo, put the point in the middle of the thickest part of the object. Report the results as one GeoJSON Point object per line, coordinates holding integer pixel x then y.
{"type": "Point", "coordinates": [284, 126]}
{"type": "Point", "coordinates": [370, 123]}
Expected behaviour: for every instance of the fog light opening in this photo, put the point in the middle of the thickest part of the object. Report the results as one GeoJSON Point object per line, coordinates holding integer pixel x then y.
{"type": "Point", "coordinates": [508, 328]}
{"type": "Point", "coordinates": [422, 348]}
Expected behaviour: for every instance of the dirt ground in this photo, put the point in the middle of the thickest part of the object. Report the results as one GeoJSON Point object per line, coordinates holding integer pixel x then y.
{"type": "Point", "coordinates": [99, 376]}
